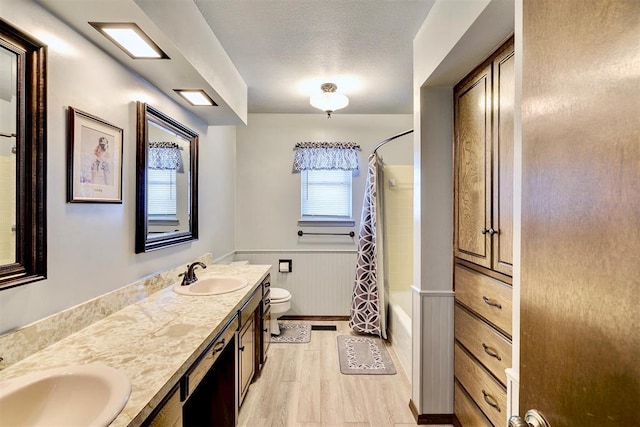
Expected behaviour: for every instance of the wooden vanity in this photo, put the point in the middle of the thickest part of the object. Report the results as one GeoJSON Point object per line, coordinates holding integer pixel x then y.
{"type": "Point", "coordinates": [214, 387]}
{"type": "Point", "coordinates": [190, 359]}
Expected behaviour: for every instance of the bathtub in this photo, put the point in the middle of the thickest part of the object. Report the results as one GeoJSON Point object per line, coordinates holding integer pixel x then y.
{"type": "Point", "coordinates": [399, 327]}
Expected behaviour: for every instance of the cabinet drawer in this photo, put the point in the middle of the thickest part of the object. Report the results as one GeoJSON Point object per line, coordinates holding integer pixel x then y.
{"type": "Point", "coordinates": [488, 394]}
{"type": "Point", "coordinates": [466, 411]}
{"type": "Point", "coordinates": [484, 342]}
{"type": "Point", "coordinates": [211, 354]}
{"type": "Point", "coordinates": [488, 297]}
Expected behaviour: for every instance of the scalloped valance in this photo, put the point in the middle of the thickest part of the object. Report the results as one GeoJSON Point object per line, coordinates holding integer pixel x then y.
{"type": "Point", "coordinates": [325, 156]}
{"type": "Point", "coordinates": [164, 155]}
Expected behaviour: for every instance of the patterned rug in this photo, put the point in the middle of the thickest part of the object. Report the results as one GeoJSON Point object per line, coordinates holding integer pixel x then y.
{"type": "Point", "coordinates": [364, 356]}
{"type": "Point", "coordinates": [293, 333]}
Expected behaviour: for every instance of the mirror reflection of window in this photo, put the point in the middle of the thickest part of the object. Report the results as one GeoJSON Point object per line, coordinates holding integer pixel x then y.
{"type": "Point", "coordinates": [8, 120]}
{"type": "Point", "coordinates": [167, 182]}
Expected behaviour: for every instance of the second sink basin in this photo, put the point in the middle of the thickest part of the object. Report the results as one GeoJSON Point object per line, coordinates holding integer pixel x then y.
{"type": "Point", "coordinates": [212, 285]}
{"type": "Point", "coordinates": [81, 395]}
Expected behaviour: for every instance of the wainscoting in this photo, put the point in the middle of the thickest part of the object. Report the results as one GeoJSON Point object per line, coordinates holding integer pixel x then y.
{"type": "Point", "coordinates": [321, 282]}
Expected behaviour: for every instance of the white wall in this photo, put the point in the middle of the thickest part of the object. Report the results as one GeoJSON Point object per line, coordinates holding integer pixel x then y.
{"type": "Point", "coordinates": [268, 198]}
{"type": "Point", "coordinates": [91, 246]}
{"type": "Point", "coordinates": [454, 38]}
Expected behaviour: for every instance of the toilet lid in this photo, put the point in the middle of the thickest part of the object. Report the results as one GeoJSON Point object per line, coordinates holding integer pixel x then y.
{"type": "Point", "coordinates": [279, 293]}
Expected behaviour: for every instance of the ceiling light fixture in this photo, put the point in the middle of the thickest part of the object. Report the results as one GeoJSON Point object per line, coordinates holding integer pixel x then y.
{"type": "Point", "coordinates": [131, 39]}
{"type": "Point", "coordinates": [329, 100]}
{"type": "Point", "coordinates": [196, 97]}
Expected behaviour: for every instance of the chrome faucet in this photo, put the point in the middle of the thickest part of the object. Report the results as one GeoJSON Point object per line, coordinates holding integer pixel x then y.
{"type": "Point", "coordinates": [189, 276]}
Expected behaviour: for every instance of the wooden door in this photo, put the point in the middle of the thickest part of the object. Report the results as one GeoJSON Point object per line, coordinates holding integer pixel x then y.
{"type": "Point", "coordinates": [503, 102]}
{"type": "Point", "coordinates": [472, 186]}
{"type": "Point", "coordinates": [580, 259]}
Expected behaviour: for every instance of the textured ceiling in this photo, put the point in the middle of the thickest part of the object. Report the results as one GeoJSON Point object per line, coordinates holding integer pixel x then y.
{"type": "Point", "coordinates": [284, 50]}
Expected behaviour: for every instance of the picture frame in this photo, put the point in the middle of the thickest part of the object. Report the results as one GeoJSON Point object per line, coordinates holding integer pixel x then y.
{"type": "Point", "coordinates": [94, 159]}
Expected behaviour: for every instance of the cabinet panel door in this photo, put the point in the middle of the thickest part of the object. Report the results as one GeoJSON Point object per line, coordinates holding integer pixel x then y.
{"type": "Point", "coordinates": [246, 357]}
{"type": "Point", "coordinates": [504, 98]}
{"type": "Point", "coordinates": [472, 198]}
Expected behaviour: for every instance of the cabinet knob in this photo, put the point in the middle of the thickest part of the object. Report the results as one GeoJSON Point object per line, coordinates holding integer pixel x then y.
{"type": "Point", "coordinates": [491, 231]}
{"type": "Point", "coordinates": [241, 348]}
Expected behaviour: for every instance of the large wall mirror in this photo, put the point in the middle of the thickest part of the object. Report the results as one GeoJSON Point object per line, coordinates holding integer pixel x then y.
{"type": "Point", "coordinates": [22, 158]}
{"type": "Point", "coordinates": [167, 181]}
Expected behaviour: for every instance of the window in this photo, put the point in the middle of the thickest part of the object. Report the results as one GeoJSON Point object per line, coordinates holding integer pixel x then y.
{"type": "Point", "coordinates": [325, 194]}
{"type": "Point", "coordinates": [161, 197]}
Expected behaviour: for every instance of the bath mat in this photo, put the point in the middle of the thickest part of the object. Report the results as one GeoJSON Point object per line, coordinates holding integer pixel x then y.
{"type": "Point", "coordinates": [364, 356]}
{"type": "Point", "coordinates": [293, 333]}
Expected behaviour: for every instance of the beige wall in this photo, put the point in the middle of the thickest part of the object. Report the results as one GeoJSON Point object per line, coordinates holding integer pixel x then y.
{"type": "Point", "coordinates": [91, 246]}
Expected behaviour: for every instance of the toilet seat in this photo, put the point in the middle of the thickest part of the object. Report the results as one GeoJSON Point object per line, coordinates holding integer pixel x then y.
{"type": "Point", "coordinates": [279, 295]}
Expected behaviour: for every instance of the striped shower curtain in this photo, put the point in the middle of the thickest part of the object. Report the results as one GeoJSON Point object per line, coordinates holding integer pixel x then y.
{"type": "Point", "coordinates": [368, 304]}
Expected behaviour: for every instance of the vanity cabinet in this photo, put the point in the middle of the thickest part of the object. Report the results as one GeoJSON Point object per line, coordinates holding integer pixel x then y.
{"type": "Point", "coordinates": [266, 320]}
{"type": "Point", "coordinates": [249, 338]}
{"type": "Point", "coordinates": [483, 238]}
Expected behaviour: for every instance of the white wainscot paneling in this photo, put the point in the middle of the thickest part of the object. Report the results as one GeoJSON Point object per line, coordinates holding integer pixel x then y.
{"type": "Point", "coordinates": [321, 282]}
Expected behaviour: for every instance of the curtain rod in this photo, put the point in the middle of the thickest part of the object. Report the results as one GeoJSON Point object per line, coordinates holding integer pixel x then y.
{"type": "Point", "coordinates": [406, 132]}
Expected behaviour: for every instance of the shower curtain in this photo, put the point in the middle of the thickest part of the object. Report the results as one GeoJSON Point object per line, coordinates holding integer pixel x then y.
{"type": "Point", "coordinates": [368, 303]}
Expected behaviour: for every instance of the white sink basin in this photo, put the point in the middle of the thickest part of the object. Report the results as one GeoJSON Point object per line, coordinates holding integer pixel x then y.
{"type": "Point", "coordinates": [212, 285]}
{"type": "Point", "coordinates": [83, 395]}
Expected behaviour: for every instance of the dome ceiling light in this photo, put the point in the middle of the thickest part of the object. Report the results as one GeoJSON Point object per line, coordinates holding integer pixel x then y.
{"type": "Point", "coordinates": [329, 100]}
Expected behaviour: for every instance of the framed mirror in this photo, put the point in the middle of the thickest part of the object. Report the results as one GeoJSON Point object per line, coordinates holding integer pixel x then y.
{"type": "Point", "coordinates": [166, 181]}
{"type": "Point", "coordinates": [23, 225]}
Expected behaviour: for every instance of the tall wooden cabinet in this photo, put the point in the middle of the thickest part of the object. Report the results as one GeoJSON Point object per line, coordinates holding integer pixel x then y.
{"type": "Point", "coordinates": [483, 238]}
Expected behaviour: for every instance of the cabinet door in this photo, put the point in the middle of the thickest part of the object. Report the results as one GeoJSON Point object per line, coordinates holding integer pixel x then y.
{"type": "Point", "coordinates": [503, 100]}
{"type": "Point", "coordinates": [472, 186]}
{"type": "Point", "coordinates": [246, 358]}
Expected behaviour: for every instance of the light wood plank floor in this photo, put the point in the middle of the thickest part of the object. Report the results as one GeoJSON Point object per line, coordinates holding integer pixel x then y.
{"type": "Point", "coordinates": [301, 385]}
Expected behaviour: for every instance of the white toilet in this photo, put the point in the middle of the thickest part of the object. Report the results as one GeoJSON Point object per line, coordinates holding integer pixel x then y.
{"type": "Point", "coordinates": [280, 304]}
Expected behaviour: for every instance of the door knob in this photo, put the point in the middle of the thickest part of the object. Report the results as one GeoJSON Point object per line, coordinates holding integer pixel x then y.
{"type": "Point", "coordinates": [532, 418]}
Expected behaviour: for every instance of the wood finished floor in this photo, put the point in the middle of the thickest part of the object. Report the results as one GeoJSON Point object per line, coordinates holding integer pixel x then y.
{"type": "Point", "coordinates": [301, 385]}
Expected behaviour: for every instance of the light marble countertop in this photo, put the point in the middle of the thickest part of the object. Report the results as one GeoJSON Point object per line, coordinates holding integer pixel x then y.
{"type": "Point", "coordinates": [153, 341]}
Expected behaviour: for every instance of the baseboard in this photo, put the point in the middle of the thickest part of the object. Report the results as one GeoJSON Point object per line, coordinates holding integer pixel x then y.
{"type": "Point", "coordinates": [432, 419]}
{"type": "Point", "coordinates": [334, 318]}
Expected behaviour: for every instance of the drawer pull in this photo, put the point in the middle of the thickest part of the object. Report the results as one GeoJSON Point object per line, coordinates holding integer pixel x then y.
{"type": "Point", "coordinates": [219, 346]}
{"type": "Point", "coordinates": [491, 351]}
{"type": "Point", "coordinates": [491, 302]}
{"type": "Point", "coordinates": [490, 401]}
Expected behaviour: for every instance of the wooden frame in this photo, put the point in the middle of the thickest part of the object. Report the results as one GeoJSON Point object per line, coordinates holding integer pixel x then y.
{"type": "Point", "coordinates": [31, 141]}
{"type": "Point", "coordinates": [147, 117]}
{"type": "Point", "coordinates": [94, 159]}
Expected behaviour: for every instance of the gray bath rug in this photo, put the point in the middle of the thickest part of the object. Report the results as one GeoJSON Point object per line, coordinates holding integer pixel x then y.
{"type": "Point", "coordinates": [364, 356]}
{"type": "Point", "coordinates": [293, 333]}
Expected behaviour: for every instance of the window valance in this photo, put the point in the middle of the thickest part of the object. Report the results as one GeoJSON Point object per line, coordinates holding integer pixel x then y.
{"type": "Point", "coordinates": [325, 156]}
{"type": "Point", "coordinates": [164, 155]}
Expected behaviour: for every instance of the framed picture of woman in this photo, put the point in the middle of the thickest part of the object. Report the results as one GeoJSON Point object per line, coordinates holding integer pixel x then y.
{"type": "Point", "coordinates": [94, 159]}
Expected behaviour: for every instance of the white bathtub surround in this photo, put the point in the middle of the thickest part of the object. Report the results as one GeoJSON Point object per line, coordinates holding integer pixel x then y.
{"type": "Point", "coordinates": [400, 333]}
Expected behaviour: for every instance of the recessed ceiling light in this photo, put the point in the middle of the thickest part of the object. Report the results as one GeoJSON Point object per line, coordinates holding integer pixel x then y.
{"type": "Point", "coordinates": [131, 39]}
{"type": "Point", "coordinates": [196, 97]}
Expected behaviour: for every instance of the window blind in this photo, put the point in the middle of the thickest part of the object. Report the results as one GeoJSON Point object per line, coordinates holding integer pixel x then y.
{"type": "Point", "coordinates": [161, 196]}
{"type": "Point", "coordinates": [326, 193]}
